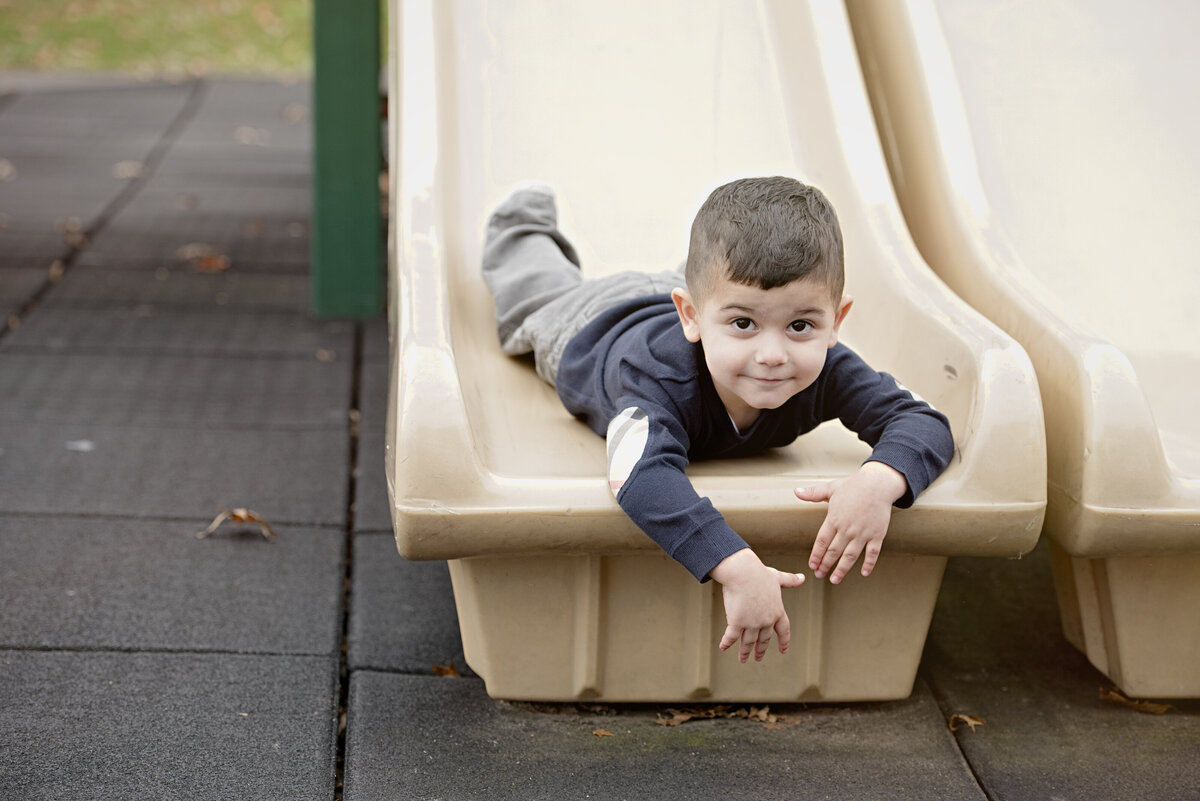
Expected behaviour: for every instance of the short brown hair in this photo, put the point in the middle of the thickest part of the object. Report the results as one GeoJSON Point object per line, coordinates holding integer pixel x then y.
{"type": "Point", "coordinates": [765, 232]}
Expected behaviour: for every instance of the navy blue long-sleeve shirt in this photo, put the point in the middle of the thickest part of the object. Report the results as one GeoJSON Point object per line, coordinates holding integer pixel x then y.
{"type": "Point", "coordinates": [632, 376]}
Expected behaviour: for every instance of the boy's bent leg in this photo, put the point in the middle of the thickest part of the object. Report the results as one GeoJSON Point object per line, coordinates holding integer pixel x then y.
{"type": "Point", "coordinates": [527, 262]}
{"type": "Point", "coordinates": [551, 327]}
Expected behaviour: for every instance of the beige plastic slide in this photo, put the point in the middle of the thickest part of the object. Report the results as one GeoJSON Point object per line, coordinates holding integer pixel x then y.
{"type": "Point", "coordinates": [635, 111]}
{"type": "Point", "coordinates": [1046, 159]}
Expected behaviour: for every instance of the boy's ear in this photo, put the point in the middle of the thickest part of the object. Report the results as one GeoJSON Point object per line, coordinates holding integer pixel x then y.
{"type": "Point", "coordinates": [839, 316]}
{"type": "Point", "coordinates": [689, 315]}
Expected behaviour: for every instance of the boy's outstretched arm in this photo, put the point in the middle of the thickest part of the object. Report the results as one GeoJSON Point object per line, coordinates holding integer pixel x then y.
{"type": "Point", "coordinates": [753, 604]}
{"type": "Point", "coordinates": [860, 509]}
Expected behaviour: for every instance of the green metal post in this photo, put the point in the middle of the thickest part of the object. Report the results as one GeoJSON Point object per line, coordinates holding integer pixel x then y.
{"type": "Point", "coordinates": [348, 232]}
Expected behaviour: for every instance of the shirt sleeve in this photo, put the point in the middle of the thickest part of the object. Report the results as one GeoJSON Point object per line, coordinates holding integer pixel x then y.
{"type": "Point", "coordinates": [904, 431]}
{"type": "Point", "coordinates": [647, 457]}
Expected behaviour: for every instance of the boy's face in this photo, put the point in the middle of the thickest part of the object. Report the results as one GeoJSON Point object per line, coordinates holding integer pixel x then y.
{"type": "Point", "coordinates": [762, 346]}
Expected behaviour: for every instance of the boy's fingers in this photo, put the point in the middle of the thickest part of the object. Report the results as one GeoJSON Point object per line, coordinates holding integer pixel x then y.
{"type": "Point", "coordinates": [814, 494]}
{"type": "Point", "coordinates": [843, 543]}
{"type": "Point", "coordinates": [820, 548]}
{"type": "Point", "coordinates": [789, 579]}
{"type": "Point", "coordinates": [846, 563]}
{"type": "Point", "coordinates": [850, 553]}
{"type": "Point", "coordinates": [760, 647]}
{"type": "Point", "coordinates": [731, 636]}
{"type": "Point", "coordinates": [870, 557]}
{"type": "Point", "coordinates": [783, 630]}
{"type": "Point", "coordinates": [833, 546]}
{"type": "Point", "coordinates": [744, 650]}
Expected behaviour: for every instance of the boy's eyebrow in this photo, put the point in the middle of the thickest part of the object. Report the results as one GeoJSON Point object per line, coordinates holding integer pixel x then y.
{"type": "Point", "coordinates": [812, 311]}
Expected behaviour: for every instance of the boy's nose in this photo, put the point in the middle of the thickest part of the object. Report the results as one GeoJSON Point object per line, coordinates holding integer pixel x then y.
{"type": "Point", "coordinates": [770, 352]}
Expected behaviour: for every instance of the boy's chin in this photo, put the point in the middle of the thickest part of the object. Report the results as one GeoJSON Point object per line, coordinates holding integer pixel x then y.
{"type": "Point", "coordinates": [767, 401]}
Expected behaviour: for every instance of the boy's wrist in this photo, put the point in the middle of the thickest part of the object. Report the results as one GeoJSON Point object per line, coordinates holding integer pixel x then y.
{"type": "Point", "coordinates": [891, 482]}
{"type": "Point", "coordinates": [737, 564]}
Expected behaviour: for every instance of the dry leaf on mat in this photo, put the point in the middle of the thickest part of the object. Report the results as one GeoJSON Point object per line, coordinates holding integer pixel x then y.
{"type": "Point", "coordinates": [681, 716]}
{"type": "Point", "coordinates": [203, 258]}
{"type": "Point", "coordinates": [761, 714]}
{"type": "Point", "coordinates": [757, 714]}
{"type": "Point", "coordinates": [249, 135]}
{"type": "Point", "coordinates": [217, 263]}
{"type": "Point", "coordinates": [128, 170]}
{"type": "Point", "coordinates": [783, 722]}
{"type": "Point", "coordinates": [446, 671]}
{"type": "Point", "coordinates": [676, 718]}
{"type": "Point", "coordinates": [238, 516]}
{"type": "Point", "coordinates": [603, 733]}
{"type": "Point", "coordinates": [1113, 695]}
{"type": "Point", "coordinates": [957, 721]}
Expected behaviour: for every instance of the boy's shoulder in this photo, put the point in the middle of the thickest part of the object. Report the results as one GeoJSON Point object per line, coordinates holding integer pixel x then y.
{"type": "Point", "coordinates": [642, 330]}
{"type": "Point", "coordinates": [847, 375]}
{"type": "Point", "coordinates": [634, 349]}
{"type": "Point", "coordinates": [843, 361]}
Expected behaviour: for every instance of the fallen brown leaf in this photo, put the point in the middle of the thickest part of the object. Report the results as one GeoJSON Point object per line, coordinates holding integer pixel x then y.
{"type": "Point", "coordinates": [603, 733]}
{"type": "Point", "coordinates": [240, 515]}
{"type": "Point", "coordinates": [217, 263]}
{"type": "Point", "coordinates": [762, 715]}
{"type": "Point", "coordinates": [294, 112]}
{"type": "Point", "coordinates": [957, 721]}
{"type": "Point", "coordinates": [128, 170]}
{"type": "Point", "coordinates": [248, 135]}
{"type": "Point", "coordinates": [680, 716]}
{"type": "Point", "coordinates": [676, 718]}
{"type": "Point", "coordinates": [203, 258]}
{"type": "Point", "coordinates": [446, 671]}
{"type": "Point", "coordinates": [72, 231]}
{"type": "Point", "coordinates": [1113, 695]}
{"type": "Point", "coordinates": [756, 714]}
{"type": "Point", "coordinates": [194, 250]}
{"type": "Point", "coordinates": [784, 722]}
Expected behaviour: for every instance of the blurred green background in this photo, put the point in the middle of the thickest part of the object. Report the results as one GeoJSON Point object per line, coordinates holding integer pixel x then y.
{"type": "Point", "coordinates": [158, 37]}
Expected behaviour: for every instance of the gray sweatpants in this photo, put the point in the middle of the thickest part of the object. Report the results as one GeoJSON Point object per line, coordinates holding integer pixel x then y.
{"type": "Point", "coordinates": [541, 298]}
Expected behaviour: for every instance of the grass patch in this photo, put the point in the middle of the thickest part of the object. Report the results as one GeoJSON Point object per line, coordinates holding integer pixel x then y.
{"type": "Point", "coordinates": [158, 37]}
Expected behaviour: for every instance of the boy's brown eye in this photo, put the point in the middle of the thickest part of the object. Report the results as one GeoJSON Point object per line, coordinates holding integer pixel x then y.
{"type": "Point", "coordinates": [743, 323]}
{"type": "Point", "coordinates": [800, 326]}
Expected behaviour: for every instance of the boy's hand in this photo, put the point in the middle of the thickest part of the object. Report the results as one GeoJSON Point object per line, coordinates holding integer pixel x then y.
{"type": "Point", "coordinates": [860, 508]}
{"type": "Point", "coordinates": [753, 604]}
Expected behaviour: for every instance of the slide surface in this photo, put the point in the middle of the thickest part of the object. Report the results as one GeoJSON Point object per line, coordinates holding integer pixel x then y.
{"type": "Point", "coordinates": [1045, 157]}
{"type": "Point", "coordinates": [1047, 164]}
{"type": "Point", "coordinates": [634, 112]}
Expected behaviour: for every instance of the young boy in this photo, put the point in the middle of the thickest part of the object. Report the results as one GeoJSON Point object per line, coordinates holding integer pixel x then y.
{"type": "Point", "coordinates": [745, 358]}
